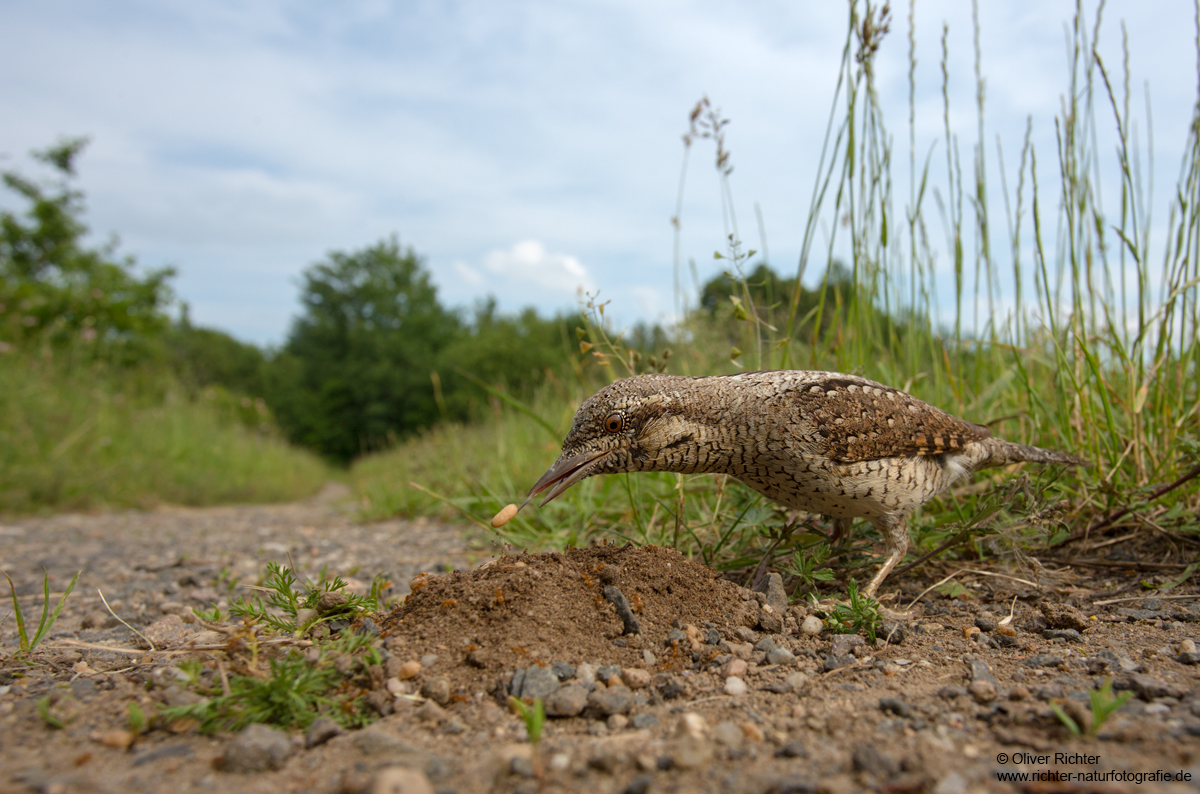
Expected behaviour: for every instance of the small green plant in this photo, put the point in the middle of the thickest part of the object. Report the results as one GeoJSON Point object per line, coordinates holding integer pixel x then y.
{"type": "Point", "coordinates": [1103, 703]}
{"type": "Point", "coordinates": [294, 691]}
{"type": "Point", "coordinates": [48, 717]}
{"type": "Point", "coordinates": [27, 644]}
{"type": "Point", "coordinates": [859, 615]}
{"type": "Point", "coordinates": [208, 615]}
{"type": "Point", "coordinates": [534, 717]}
{"type": "Point", "coordinates": [191, 669]}
{"type": "Point", "coordinates": [138, 723]}
{"type": "Point", "coordinates": [286, 595]}
{"type": "Point", "coordinates": [808, 565]}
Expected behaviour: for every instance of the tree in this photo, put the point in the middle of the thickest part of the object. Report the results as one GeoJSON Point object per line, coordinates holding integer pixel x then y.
{"type": "Point", "coordinates": [54, 288]}
{"type": "Point", "coordinates": [355, 371]}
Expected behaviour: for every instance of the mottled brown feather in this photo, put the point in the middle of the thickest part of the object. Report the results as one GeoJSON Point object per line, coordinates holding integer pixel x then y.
{"type": "Point", "coordinates": [857, 419]}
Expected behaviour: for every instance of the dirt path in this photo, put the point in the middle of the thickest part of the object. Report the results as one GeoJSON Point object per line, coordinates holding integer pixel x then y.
{"type": "Point", "coordinates": [714, 693]}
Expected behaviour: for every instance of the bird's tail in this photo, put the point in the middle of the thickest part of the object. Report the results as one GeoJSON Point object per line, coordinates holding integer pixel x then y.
{"type": "Point", "coordinates": [1002, 453]}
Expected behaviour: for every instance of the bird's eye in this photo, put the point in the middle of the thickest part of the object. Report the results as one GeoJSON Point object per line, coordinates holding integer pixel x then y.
{"type": "Point", "coordinates": [614, 423]}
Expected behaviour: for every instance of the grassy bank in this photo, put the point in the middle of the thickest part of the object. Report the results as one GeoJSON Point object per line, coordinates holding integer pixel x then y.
{"type": "Point", "coordinates": [78, 436]}
{"type": "Point", "coordinates": [1096, 351]}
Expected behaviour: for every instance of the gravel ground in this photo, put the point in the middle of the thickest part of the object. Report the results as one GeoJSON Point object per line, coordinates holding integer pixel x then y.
{"type": "Point", "coordinates": [721, 689]}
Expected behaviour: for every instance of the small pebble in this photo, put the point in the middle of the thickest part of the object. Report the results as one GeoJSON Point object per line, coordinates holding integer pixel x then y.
{"type": "Point", "coordinates": [796, 681]}
{"type": "Point", "coordinates": [401, 780]}
{"type": "Point", "coordinates": [617, 722]}
{"type": "Point", "coordinates": [691, 724]}
{"type": "Point", "coordinates": [811, 626]}
{"type": "Point", "coordinates": [982, 691]}
{"type": "Point", "coordinates": [410, 669]}
{"type": "Point", "coordinates": [734, 668]}
{"type": "Point", "coordinates": [735, 686]}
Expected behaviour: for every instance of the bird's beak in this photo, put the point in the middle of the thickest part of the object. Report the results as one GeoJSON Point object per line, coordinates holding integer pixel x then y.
{"type": "Point", "coordinates": [566, 471]}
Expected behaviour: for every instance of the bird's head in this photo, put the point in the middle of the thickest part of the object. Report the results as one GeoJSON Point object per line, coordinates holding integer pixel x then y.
{"type": "Point", "coordinates": [629, 425]}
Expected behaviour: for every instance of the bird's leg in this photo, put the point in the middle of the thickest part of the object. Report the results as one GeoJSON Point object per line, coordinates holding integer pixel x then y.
{"type": "Point", "coordinates": [895, 539]}
{"type": "Point", "coordinates": [841, 528]}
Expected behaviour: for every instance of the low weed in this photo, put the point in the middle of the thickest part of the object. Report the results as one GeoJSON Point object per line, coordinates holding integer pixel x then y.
{"type": "Point", "coordinates": [534, 716]}
{"type": "Point", "coordinates": [27, 644]}
{"type": "Point", "coordinates": [294, 687]}
{"type": "Point", "coordinates": [859, 614]}
{"type": "Point", "coordinates": [290, 607]}
{"type": "Point", "coordinates": [1103, 703]}
{"type": "Point", "coordinates": [293, 691]}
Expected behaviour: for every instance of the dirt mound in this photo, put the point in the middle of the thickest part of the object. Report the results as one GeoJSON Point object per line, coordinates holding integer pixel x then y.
{"type": "Point", "coordinates": [542, 608]}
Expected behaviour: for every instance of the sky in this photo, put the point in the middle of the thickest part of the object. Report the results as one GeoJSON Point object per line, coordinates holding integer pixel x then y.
{"type": "Point", "coordinates": [526, 150]}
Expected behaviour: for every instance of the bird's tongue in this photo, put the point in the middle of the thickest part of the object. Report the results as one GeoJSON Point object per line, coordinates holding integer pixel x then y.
{"type": "Point", "coordinates": [566, 471]}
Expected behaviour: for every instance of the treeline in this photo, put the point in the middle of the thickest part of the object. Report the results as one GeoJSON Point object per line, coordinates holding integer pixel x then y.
{"type": "Point", "coordinates": [372, 357]}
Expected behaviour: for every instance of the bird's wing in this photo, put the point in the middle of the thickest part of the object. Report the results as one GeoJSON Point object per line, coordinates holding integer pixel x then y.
{"type": "Point", "coordinates": [854, 419]}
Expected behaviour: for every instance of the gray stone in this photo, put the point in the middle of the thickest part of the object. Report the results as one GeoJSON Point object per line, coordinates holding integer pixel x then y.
{"type": "Point", "coordinates": [607, 671]}
{"type": "Point", "coordinates": [1148, 687]}
{"type": "Point", "coordinates": [1112, 660]}
{"type": "Point", "coordinates": [437, 690]}
{"type": "Point", "coordinates": [401, 780]}
{"type": "Point", "coordinates": [643, 720]}
{"type": "Point", "coordinates": [746, 634]}
{"type": "Point", "coordinates": [567, 701]}
{"type": "Point", "coordinates": [612, 700]}
{"type": "Point", "coordinates": [951, 691]}
{"type": "Point", "coordinates": [844, 644]}
{"type": "Point", "coordinates": [892, 633]}
{"type": "Point", "coordinates": [1140, 614]}
{"type": "Point", "coordinates": [836, 662]}
{"type": "Point", "coordinates": [1063, 616]}
{"type": "Point", "coordinates": [728, 734]}
{"type": "Point", "coordinates": [952, 783]}
{"type": "Point", "coordinates": [322, 730]}
{"type": "Point", "coordinates": [1071, 635]}
{"type": "Point", "coordinates": [895, 706]}
{"type": "Point", "coordinates": [377, 740]}
{"type": "Point", "coordinates": [796, 681]}
{"type": "Point", "coordinates": [780, 655]}
{"type": "Point", "coordinates": [792, 749]}
{"type": "Point", "coordinates": [563, 671]}
{"type": "Point", "coordinates": [1044, 660]}
{"type": "Point", "coordinates": [776, 595]}
{"type": "Point", "coordinates": [770, 621]}
{"type": "Point", "coordinates": [163, 753]}
{"type": "Point", "coordinates": [983, 691]}
{"type": "Point", "coordinates": [166, 632]}
{"type": "Point", "coordinates": [256, 749]}
{"type": "Point", "coordinates": [868, 758]}
{"type": "Point", "coordinates": [538, 682]}
{"type": "Point", "coordinates": [980, 671]}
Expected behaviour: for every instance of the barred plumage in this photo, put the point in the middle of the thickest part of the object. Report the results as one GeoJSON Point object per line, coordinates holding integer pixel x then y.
{"type": "Point", "coordinates": [829, 443]}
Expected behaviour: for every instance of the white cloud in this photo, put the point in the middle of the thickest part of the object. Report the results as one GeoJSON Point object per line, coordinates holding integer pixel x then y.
{"type": "Point", "coordinates": [529, 264]}
{"type": "Point", "coordinates": [468, 275]}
